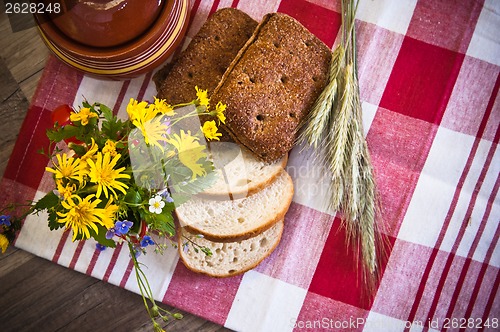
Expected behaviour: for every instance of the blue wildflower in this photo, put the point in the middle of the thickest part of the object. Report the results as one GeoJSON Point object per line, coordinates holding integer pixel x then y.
{"type": "Point", "coordinates": [5, 220]}
{"type": "Point", "coordinates": [147, 241]}
{"type": "Point", "coordinates": [110, 233]}
{"type": "Point", "coordinates": [100, 247]}
{"type": "Point", "coordinates": [122, 227]}
{"type": "Point", "coordinates": [166, 196]}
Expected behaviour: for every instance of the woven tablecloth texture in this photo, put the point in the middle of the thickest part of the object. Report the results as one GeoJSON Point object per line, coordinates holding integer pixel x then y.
{"type": "Point", "coordinates": [429, 80]}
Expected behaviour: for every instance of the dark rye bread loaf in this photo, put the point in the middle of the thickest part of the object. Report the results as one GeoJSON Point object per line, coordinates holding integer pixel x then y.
{"type": "Point", "coordinates": [272, 84]}
{"type": "Point", "coordinates": [206, 58]}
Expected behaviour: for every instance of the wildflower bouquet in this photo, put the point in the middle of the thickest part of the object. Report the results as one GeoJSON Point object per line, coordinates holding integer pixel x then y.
{"type": "Point", "coordinates": [119, 180]}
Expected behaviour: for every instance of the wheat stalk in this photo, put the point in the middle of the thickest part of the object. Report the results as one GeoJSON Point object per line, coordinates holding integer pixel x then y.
{"type": "Point", "coordinates": [336, 122]}
{"type": "Point", "coordinates": [319, 116]}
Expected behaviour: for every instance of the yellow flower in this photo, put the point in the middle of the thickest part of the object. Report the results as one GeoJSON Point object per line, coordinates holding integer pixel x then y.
{"type": "Point", "coordinates": [83, 116]}
{"type": "Point", "coordinates": [161, 106]}
{"type": "Point", "coordinates": [110, 211]}
{"type": "Point", "coordinates": [89, 155]}
{"type": "Point", "coordinates": [109, 147]}
{"type": "Point", "coordinates": [107, 178]}
{"type": "Point", "coordinates": [68, 168]}
{"type": "Point", "coordinates": [220, 108]}
{"type": "Point", "coordinates": [138, 110]}
{"type": "Point", "coordinates": [4, 242]}
{"type": "Point", "coordinates": [83, 215]}
{"type": "Point", "coordinates": [91, 151]}
{"type": "Point", "coordinates": [210, 130]}
{"type": "Point", "coordinates": [65, 191]}
{"type": "Point", "coordinates": [153, 131]}
{"type": "Point", "coordinates": [144, 117]}
{"type": "Point", "coordinates": [202, 97]}
{"type": "Point", "coordinates": [190, 151]}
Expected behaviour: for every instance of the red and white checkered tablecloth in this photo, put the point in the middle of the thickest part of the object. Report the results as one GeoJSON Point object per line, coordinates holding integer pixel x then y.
{"type": "Point", "coordinates": [429, 79]}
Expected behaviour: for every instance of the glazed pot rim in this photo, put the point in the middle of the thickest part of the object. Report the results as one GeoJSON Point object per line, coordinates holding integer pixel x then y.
{"type": "Point", "coordinates": [164, 36]}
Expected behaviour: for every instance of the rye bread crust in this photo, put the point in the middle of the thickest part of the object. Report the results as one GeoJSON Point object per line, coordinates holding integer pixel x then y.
{"type": "Point", "coordinates": [206, 58]}
{"type": "Point", "coordinates": [272, 84]}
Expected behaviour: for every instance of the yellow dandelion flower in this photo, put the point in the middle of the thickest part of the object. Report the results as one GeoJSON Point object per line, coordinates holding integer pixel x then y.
{"type": "Point", "coordinates": [82, 215]}
{"type": "Point", "coordinates": [92, 150]}
{"type": "Point", "coordinates": [210, 130]}
{"type": "Point", "coordinates": [153, 131]}
{"type": "Point", "coordinates": [137, 110]}
{"type": "Point", "coordinates": [110, 211]}
{"type": "Point", "coordinates": [144, 117]}
{"type": "Point", "coordinates": [161, 106]}
{"type": "Point", "coordinates": [190, 152]}
{"type": "Point", "coordinates": [4, 242]}
{"type": "Point", "coordinates": [65, 191]}
{"type": "Point", "coordinates": [202, 97]}
{"type": "Point", "coordinates": [220, 108]}
{"type": "Point", "coordinates": [110, 147]}
{"type": "Point", "coordinates": [83, 116]}
{"type": "Point", "coordinates": [68, 168]}
{"type": "Point", "coordinates": [103, 173]}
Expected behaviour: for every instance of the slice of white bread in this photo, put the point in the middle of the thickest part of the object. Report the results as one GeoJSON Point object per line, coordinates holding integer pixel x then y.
{"type": "Point", "coordinates": [239, 172]}
{"type": "Point", "coordinates": [229, 258]}
{"type": "Point", "coordinates": [234, 220]}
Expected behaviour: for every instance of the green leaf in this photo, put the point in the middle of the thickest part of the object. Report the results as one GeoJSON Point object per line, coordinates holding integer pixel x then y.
{"type": "Point", "coordinates": [52, 221]}
{"type": "Point", "coordinates": [48, 201]}
{"type": "Point", "coordinates": [112, 128]}
{"type": "Point", "coordinates": [80, 150]}
{"type": "Point", "coordinates": [100, 236]}
{"type": "Point", "coordinates": [163, 222]}
{"type": "Point", "coordinates": [86, 104]}
{"type": "Point", "coordinates": [62, 133]}
{"type": "Point", "coordinates": [133, 197]}
{"type": "Point", "coordinates": [106, 112]}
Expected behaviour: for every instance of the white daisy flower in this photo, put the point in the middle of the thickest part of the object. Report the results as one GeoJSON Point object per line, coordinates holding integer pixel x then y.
{"type": "Point", "coordinates": [156, 204]}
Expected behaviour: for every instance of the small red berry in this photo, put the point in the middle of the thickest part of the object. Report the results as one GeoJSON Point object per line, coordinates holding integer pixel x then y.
{"type": "Point", "coordinates": [61, 114]}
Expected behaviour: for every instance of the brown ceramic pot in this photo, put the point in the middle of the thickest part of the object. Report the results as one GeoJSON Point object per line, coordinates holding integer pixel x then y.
{"type": "Point", "coordinates": [129, 59]}
{"type": "Point", "coordinates": [105, 23]}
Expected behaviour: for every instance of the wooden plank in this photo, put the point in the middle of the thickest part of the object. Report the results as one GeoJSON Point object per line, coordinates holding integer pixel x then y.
{"type": "Point", "coordinates": [42, 296]}
{"type": "Point", "coordinates": [13, 107]}
{"type": "Point", "coordinates": [23, 51]}
{"type": "Point", "coordinates": [24, 54]}
{"type": "Point", "coordinates": [12, 259]}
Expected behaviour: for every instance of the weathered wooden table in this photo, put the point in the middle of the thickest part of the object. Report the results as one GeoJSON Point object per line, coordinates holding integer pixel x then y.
{"type": "Point", "coordinates": [35, 294]}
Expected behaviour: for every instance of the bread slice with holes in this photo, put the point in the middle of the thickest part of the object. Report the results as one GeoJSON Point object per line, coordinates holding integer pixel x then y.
{"type": "Point", "coordinates": [239, 172]}
{"type": "Point", "coordinates": [230, 258]}
{"type": "Point", "coordinates": [272, 84]}
{"type": "Point", "coordinates": [235, 220]}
